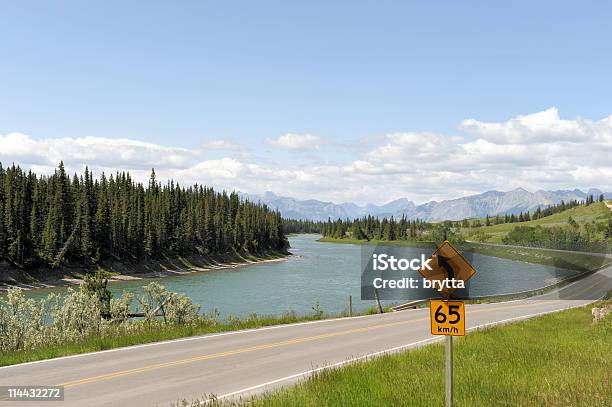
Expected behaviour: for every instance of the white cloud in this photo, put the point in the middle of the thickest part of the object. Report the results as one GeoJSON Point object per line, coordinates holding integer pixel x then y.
{"type": "Point", "coordinates": [120, 153]}
{"type": "Point", "coordinates": [220, 145]}
{"type": "Point", "coordinates": [298, 141]}
{"type": "Point", "coordinates": [536, 151]}
{"type": "Point", "coordinates": [545, 126]}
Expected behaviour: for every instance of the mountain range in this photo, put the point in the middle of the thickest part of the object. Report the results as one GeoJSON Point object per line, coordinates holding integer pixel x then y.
{"type": "Point", "coordinates": [474, 206]}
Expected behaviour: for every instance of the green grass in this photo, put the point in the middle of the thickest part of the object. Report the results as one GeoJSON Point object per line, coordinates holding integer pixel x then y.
{"type": "Point", "coordinates": [559, 359]}
{"type": "Point", "coordinates": [160, 332]}
{"type": "Point", "coordinates": [155, 334]}
{"type": "Point", "coordinates": [597, 212]}
{"type": "Point", "coordinates": [407, 243]}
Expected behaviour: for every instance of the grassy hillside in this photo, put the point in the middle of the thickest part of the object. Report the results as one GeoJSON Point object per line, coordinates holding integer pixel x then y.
{"type": "Point", "coordinates": [597, 212]}
{"type": "Point", "coordinates": [409, 243]}
{"type": "Point", "coordinates": [560, 359]}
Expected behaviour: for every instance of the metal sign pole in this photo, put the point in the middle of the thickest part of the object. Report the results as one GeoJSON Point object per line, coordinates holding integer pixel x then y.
{"type": "Point", "coordinates": [447, 317]}
{"type": "Point", "coordinates": [449, 371]}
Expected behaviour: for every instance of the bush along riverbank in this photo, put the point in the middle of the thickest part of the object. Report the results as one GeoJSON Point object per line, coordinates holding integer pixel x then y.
{"type": "Point", "coordinates": [89, 319]}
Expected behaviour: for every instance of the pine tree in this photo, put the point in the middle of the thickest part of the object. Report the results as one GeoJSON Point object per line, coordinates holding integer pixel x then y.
{"type": "Point", "coordinates": [102, 220]}
{"type": "Point", "coordinates": [3, 232]}
{"type": "Point", "coordinates": [85, 219]}
{"type": "Point", "coordinates": [356, 232]}
{"type": "Point", "coordinates": [53, 219]}
{"type": "Point", "coordinates": [389, 233]}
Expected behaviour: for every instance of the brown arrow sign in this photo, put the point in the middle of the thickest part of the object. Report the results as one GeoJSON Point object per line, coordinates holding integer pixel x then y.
{"type": "Point", "coordinates": [447, 263]}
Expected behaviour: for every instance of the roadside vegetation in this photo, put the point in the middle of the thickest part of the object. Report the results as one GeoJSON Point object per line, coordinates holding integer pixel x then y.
{"type": "Point", "coordinates": [595, 212]}
{"type": "Point", "coordinates": [89, 319]}
{"type": "Point", "coordinates": [585, 227]}
{"type": "Point", "coordinates": [560, 359]}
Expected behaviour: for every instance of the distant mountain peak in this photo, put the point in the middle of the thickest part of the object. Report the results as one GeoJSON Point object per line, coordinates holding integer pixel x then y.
{"type": "Point", "coordinates": [473, 206]}
{"type": "Point", "coordinates": [269, 195]}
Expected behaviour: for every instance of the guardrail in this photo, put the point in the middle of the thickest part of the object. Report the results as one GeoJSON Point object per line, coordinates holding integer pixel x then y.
{"type": "Point", "coordinates": [511, 296]}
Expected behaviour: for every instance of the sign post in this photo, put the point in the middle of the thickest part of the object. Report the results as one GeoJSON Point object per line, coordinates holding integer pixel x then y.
{"type": "Point", "coordinates": [447, 317]}
{"type": "Point", "coordinates": [449, 371]}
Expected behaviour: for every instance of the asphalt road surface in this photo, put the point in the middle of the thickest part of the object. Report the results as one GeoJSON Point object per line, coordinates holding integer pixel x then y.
{"type": "Point", "coordinates": [249, 362]}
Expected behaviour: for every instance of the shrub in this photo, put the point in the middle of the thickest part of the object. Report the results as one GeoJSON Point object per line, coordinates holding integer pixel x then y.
{"type": "Point", "coordinates": [80, 314]}
{"type": "Point", "coordinates": [95, 284]}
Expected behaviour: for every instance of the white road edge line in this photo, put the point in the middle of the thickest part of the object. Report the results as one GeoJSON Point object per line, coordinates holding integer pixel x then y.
{"type": "Point", "coordinates": [334, 365]}
{"type": "Point", "coordinates": [202, 337]}
{"type": "Point", "coordinates": [207, 336]}
{"type": "Point", "coordinates": [382, 352]}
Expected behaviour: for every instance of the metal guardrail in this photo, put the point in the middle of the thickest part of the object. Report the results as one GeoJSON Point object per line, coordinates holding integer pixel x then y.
{"type": "Point", "coordinates": [510, 296]}
{"type": "Point", "coordinates": [409, 305]}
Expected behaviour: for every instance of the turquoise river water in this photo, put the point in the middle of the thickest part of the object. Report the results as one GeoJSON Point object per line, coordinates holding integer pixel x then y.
{"type": "Point", "coordinates": [323, 273]}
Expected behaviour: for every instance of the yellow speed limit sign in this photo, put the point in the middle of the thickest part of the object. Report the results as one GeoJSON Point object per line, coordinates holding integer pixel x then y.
{"type": "Point", "coordinates": [447, 317]}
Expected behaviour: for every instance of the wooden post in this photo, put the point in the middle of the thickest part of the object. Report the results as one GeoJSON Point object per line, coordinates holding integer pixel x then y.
{"type": "Point", "coordinates": [350, 305]}
{"type": "Point", "coordinates": [380, 309]}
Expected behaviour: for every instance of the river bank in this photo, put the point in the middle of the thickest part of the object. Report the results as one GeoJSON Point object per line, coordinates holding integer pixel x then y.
{"type": "Point", "coordinates": [565, 259]}
{"type": "Point", "coordinates": [318, 275]}
{"type": "Point", "coordinates": [121, 271]}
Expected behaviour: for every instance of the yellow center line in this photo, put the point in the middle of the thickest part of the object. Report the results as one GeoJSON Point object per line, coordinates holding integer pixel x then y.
{"type": "Point", "coordinates": [234, 352]}
{"type": "Point", "coordinates": [266, 346]}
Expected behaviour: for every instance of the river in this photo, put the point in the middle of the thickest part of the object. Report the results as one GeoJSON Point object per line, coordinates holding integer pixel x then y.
{"type": "Point", "coordinates": [323, 273]}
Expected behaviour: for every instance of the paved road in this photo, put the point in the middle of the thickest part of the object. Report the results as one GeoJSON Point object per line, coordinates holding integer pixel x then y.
{"type": "Point", "coordinates": [253, 361]}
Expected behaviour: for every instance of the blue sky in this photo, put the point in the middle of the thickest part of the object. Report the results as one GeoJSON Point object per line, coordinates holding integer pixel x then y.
{"type": "Point", "coordinates": [191, 74]}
